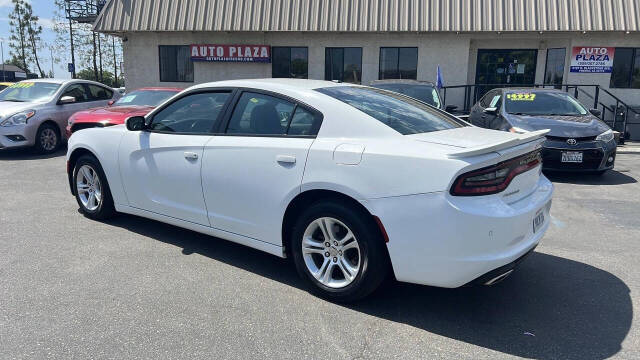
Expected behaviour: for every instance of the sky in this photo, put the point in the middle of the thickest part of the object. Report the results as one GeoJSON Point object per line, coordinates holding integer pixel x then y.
{"type": "Point", "coordinates": [45, 10]}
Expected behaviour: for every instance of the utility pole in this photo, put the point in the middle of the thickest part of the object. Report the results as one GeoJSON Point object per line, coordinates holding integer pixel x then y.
{"type": "Point", "coordinates": [51, 49]}
{"type": "Point", "coordinates": [4, 75]}
{"type": "Point", "coordinates": [73, 57]}
{"type": "Point", "coordinates": [115, 63]}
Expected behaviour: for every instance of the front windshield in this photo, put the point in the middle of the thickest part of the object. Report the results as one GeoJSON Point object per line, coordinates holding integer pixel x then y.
{"type": "Point", "coordinates": [425, 93]}
{"type": "Point", "coordinates": [145, 97]}
{"type": "Point", "coordinates": [401, 113]}
{"type": "Point", "coordinates": [26, 91]}
{"type": "Point", "coordinates": [543, 103]}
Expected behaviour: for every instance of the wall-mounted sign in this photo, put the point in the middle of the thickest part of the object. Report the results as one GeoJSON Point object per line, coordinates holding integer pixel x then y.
{"type": "Point", "coordinates": [231, 53]}
{"type": "Point", "coordinates": [585, 59]}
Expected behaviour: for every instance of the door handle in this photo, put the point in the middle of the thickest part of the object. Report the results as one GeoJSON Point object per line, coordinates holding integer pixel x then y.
{"type": "Point", "coordinates": [287, 159]}
{"type": "Point", "coordinates": [190, 155]}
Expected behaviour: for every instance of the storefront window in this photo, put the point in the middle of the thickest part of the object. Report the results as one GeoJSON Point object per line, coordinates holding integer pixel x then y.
{"type": "Point", "coordinates": [626, 68]}
{"type": "Point", "coordinates": [175, 63]}
{"type": "Point", "coordinates": [290, 62]}
{"type": "Point", "coordinates": [398, 63]}
{"type": "Point", "coordinates": [554, 69]}
{"type": "Point", "coordinates": [343, 64]}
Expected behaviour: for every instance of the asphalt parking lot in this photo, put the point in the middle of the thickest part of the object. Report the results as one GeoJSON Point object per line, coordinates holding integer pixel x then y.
{"type": "Point", "coordinates": [72, 288]}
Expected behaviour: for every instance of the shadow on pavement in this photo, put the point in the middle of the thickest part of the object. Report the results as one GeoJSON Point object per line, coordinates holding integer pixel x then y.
{"type": "Point", "coordinates": [550, 307]}
{"type": "Point", "coordinates": [611, 177]}
{"type": "Point", "coordinates": [29, 154]}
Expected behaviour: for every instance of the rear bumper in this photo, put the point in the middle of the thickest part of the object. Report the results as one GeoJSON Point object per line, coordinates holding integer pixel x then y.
{"type": "Point", "coordinates": [597, 156]}
{"type": "Point", "coordinates": [447, 241]}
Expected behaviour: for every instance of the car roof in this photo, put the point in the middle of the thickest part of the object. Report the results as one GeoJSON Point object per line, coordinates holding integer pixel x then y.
{"type": "Point", "coordinates": [274, 84]}
{"type": "Point", "coordinates": [158, 88]}
{"type": "Point", "coordinates": [64, 81]}
{"type": "Point", "coordinates": [402, 81]}
{"type": "Point", "coordinates": [529, 89]}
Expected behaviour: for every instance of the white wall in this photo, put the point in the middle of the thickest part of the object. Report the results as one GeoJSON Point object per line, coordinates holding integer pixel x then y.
{"type": "Point", "coordinates": [455, 53]}
{"type": "Point", "coordinates": [141, 66]}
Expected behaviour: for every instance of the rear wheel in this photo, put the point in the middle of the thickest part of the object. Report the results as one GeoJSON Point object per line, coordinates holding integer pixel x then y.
{"type": "Point", "coordinates": [91, 189]}
{"type": "Point", "coordinates": [47, 139]}
{"type": "Point", "coordinates": [339, 251]}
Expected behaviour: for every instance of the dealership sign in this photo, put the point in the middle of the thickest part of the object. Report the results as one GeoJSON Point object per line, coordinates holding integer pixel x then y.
{"type": "Point", "coordinates": [231, 53]}
{"type": "Point", "coordinates": [586, 59]}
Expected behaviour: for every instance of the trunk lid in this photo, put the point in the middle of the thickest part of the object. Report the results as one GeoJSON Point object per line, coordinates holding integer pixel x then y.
{"type": "Point", "coordinates": [472, 144]}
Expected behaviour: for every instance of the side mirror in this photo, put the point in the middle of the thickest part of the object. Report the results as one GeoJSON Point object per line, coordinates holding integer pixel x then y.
{"type": "Point", "coordinates": [595, 112]}
{"type": "Point", "coordinates": [491, 110]}
{"type": "Point", "coordinates": [450, 108]}
{"type": "Point", "coordinates": [67, 100]}
{"type": "Point", "coordinates": [135, 123]}
{"type": "Point", "coordinates": [110, 102]}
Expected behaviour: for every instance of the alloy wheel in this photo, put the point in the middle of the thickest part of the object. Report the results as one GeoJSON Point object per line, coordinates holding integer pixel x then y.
{"type": "Point", "coordinates": [331, 252]}
{"type": "Point", "coordinates": [89, 187]}
{"type": "Point", "coordinates": [48, 139]}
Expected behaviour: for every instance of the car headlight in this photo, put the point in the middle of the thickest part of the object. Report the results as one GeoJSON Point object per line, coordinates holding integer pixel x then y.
{"type": "Point", "coordinates": [19, 118]}
{"type": "Point", "coordinates": [605, 136]}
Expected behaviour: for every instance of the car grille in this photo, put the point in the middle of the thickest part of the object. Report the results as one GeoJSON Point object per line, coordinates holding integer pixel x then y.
{"type": "Point", "coordinates": [564, 139]}
{"type": "Point", "coordinates": [591, 159]}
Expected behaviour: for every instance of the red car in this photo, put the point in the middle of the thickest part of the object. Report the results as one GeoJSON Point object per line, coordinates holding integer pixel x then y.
{"type": "Point", "coordinates": [136, 103]}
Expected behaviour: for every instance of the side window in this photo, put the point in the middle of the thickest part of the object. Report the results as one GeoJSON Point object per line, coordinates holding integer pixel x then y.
{"type": "Point", "coordinates": [260, 114]}
{"type": "Point", "coordinates": [191, 114]}
{"type": "Point", "coordinates": [78, 91]}
{"type": "Point", "coordinates": [100, 93]}
{"type": "Point", "coordinates": [303, 122]}
{"type": "Point", "coordinates": [495, 101]}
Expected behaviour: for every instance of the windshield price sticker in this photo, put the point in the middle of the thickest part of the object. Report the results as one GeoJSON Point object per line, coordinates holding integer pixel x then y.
{"type": "Point", "coordinates": [521, 97]}
{"type": "Point", "coordinates": [22, 85]}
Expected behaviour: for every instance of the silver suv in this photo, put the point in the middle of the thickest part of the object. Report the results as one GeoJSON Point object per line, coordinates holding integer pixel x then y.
{"type": "Point", "coordinates": [35, 112]}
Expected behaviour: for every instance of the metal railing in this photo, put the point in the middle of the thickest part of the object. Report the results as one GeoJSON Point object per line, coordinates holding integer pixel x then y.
{"type": "Point", "coordinates": [615, 113]}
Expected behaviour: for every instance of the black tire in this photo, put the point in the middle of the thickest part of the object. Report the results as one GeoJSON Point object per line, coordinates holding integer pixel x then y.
{"type": "Point", "coordinates": [105, 208]}
{"type": "Point", "coordinates": [374, 260]}
{"type": "Point", "coordinates": [47, 139]}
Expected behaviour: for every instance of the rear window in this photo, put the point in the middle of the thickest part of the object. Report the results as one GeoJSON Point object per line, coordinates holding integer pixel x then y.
{"type": "Point", "coordinates": [426, 93]}
{"type": "Point", "coordinates": [401, 113]}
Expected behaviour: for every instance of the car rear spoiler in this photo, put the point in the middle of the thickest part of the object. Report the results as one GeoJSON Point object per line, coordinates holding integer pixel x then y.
{"type": "Point", "coordinates": [484, 149]}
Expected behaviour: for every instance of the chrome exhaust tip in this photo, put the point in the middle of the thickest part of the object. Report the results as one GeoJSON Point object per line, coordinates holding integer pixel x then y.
{"type": "Point", "coordinates": [498, 278]}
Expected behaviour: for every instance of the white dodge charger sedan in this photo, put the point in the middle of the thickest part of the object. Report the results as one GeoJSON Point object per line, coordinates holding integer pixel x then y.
{"type": "Point", "coordinates": [353, 183]}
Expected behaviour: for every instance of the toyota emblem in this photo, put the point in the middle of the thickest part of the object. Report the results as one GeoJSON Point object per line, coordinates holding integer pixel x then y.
{"type": "Point", "coordinates": [572, 142]}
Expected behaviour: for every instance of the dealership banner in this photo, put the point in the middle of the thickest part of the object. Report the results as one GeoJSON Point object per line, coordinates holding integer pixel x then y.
{"type": "Point", "coordinates": [585, 59]}
{"type": "Point", "coordinates": [231, 53]}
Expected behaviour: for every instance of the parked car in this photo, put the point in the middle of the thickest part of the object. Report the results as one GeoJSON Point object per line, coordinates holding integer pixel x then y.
{"type": "Point", "coordinates": [577, 140]}
{"type": "Point", "coordinates": [352, 182]}
{"type": "Point", "coordinates": [4, 85]}
{"type": "Point", "coordinates": [35, 112]}
{"type": "Point", "coordinates": [421, 90]}
{"type": "Point", "coordinates": [135, 103]}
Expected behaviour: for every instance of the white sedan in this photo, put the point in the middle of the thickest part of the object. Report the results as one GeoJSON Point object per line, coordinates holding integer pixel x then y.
{"type": "Point", "coordinates": [353, 183]}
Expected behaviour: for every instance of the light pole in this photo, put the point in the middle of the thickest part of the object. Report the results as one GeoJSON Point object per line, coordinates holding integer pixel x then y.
{"type": "Point", "coordinates": [4, 76]}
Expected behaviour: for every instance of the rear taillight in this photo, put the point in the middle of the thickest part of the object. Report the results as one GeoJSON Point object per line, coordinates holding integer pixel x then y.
{"type": "Point", "coordinates": [494, 179]}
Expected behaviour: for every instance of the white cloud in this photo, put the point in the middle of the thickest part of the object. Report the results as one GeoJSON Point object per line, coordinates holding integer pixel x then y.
{"type": "Point", "coordinates": [46, 23]}
{"type": "Point", "coordinates": [4, 3]}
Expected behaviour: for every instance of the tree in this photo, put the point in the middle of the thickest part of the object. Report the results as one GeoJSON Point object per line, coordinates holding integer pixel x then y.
{"type": "Point", "coordinates": [25, 40]}
{"type": "Point", "coordinates": [18, 40]}
{"type": "Point", "coordinates": [34, 30]}
{"type": "Point", "coordinates": [89, 74]}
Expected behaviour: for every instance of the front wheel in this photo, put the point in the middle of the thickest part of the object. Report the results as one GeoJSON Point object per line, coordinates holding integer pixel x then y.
{"type": "Point", "coordinates": [92, 190]}
{"type": "Point", "coordinates": [47, 139]}
{"type": "Point", "coordinates": [339, 251]}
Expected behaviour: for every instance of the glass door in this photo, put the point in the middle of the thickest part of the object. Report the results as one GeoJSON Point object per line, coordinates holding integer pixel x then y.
{"type": "Point", "coordinates": [505, 67]}
{"type": "Point", "coordinates": [554, 68]}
